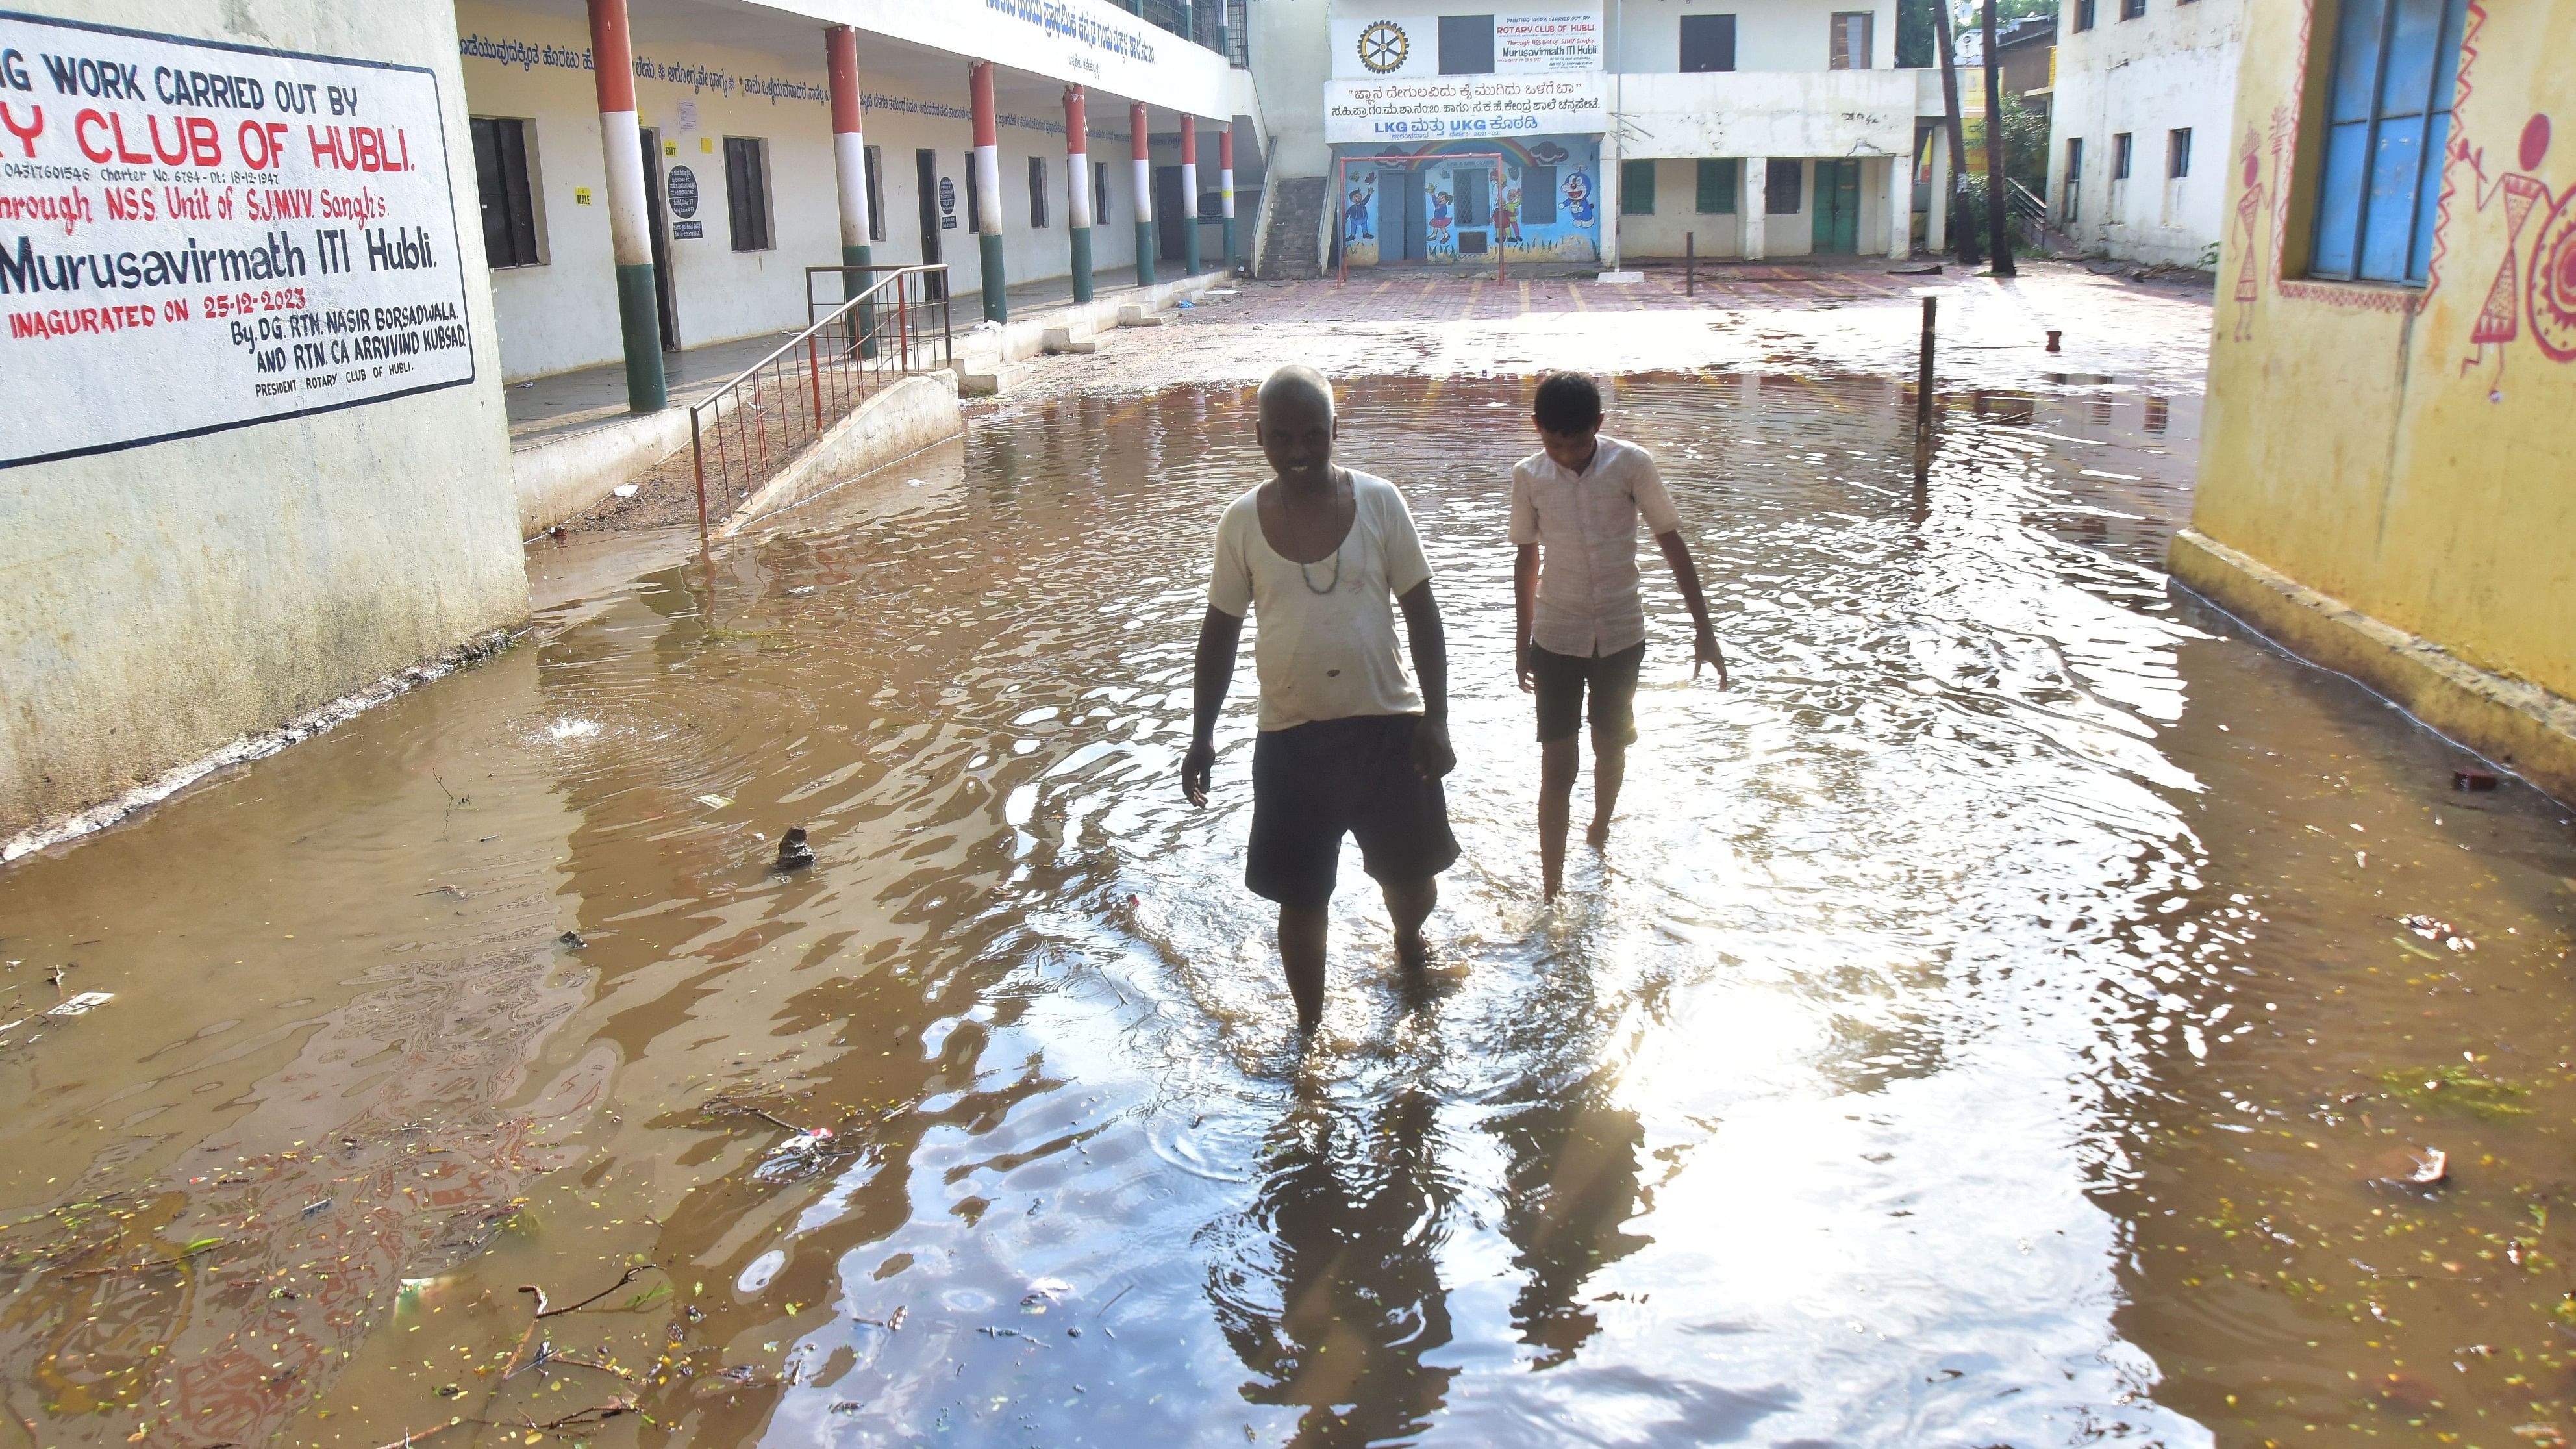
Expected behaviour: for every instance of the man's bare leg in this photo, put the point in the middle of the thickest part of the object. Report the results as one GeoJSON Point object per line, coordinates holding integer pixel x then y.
{"type": "Point", "coordinates": [1409, 904]}
{"type": "Point", "coordinates": [1609, 770]}
{"type": "Point", "coordinates": [1301, 951]}
{"type": "Point", "coordinates": [1557, 762]}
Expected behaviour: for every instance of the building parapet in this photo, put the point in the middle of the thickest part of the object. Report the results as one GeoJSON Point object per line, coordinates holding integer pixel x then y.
{"type": "Point", "coordinates": [1772, 113]}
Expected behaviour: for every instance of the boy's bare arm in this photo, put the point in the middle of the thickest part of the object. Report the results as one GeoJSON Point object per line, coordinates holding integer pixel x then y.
{"type": "Point", "coordinates": [1524, 610]}
{"type": "Point", "coordinates": [1220, 637]}
{"type": "Point", "coordinates": [1704, 650]}
{"type": "Point", "coordinates": [1431, 752]}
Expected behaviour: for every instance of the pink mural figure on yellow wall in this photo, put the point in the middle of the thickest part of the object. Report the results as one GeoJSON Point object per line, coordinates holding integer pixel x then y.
{"type": "Point", "coordinates": [2500, 317]}
{"type": "Point", "coordinates": [2249, 227]}
{"type": "Point", "coordinates": [2551, 292]}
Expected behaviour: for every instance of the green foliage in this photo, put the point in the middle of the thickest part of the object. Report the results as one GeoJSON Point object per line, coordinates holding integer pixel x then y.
{"type": "Point", "coordinates": [1918, 36]}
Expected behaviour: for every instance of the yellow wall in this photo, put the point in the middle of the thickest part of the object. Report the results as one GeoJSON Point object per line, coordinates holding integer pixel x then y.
{"type": "Point", "coordinates": [2357, 440]}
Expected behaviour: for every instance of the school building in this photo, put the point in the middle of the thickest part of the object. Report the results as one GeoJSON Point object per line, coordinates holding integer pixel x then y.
{"type": "Point", "coordinates": [1014, 141]}
{"type": "Point", "coordinates": [2384, 461]}
{"type": "Point", "coordinates": [2140, 126]}
{"type": "Point", "coordinates": [1541, 133]}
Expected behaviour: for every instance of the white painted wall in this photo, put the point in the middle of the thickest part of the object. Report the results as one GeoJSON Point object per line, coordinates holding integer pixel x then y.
{"type": "Point", "coordinates": [1809, 113]}
{"type": "Point", "coordinates": [163, 600]}
{"type": "Point", "coordinates": [562, 313]}
{"type": "Point", "coordinates": [2173, 67]}
{"type": "Point", "coordinates": [1646, 35]}
{"type": "Point", "coordinates": [1289, 51]}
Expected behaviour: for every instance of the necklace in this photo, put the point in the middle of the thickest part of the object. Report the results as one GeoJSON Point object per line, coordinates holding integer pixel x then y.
{"type": "Point", "coordinates": [1336, 582]}
{"type": "Point", "coordinates": [1310, 578]}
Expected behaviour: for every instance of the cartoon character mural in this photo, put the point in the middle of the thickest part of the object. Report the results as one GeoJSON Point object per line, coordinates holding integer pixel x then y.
{"type": "Point", "coordinates": [1359, 230]}
{"type": "Point", "coordinates": [1505, 195]}
{"type": "Point", "coordinates": [1578, 199]}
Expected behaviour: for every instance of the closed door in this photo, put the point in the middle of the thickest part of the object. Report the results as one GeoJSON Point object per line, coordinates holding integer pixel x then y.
{"type": "Point", "coordinates": [1171, 214]}
{"type": "Point", "coordinates": [661, 239]}
{"type": "Point", "coordinates": [1837, 208]}
{"type": "Point", "coordinates": [925, 166]}
{"type": "Point", "coordinates": [1417, 215]}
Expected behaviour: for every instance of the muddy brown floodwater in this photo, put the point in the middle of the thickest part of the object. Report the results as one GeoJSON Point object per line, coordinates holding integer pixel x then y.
{"type": "Point", "coordinates": [1992, 1024]}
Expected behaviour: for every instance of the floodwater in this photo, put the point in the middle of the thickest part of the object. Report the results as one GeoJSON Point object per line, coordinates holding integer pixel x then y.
{"type": "Point", "coordinates": [1991, 1023]}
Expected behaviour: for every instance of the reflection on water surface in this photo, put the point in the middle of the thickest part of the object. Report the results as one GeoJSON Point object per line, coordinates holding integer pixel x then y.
{"type": "Point", "coordinates": [1985, 1028]}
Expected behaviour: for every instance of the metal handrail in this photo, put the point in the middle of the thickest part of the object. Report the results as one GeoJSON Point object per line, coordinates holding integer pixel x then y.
{"type": "Point", "coordinates": [846, 353]}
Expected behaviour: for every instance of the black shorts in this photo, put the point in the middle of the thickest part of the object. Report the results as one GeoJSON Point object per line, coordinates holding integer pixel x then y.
{"type": "Point", "coordinates": [1562, 680]}
{"type": "Point", "coordinates": [1316, 782]}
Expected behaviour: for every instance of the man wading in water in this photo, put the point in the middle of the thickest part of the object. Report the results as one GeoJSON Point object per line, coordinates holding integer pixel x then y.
{"type": "Point", "coordinates": [1347, 745]}
{"type": "Point", "coordinates": [1582, 625]}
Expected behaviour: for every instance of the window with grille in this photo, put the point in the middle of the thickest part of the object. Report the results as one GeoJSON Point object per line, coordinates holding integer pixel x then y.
{"type": "Point", "coordinates": [1784, 186]}
{"type": "Point", "coordinates": [1708, 42]}
{"type": "Point", "coordinates": [1636, 188]}
{"type": "Point", "coordinates": [2178, 153]}
{"type": "Point", "coordinates": [1717, 186]}
{"type": "Point", "coordinates": [747, 191]}
{"type": "Point", "coordinates": [1037, 193]}
{"type": "Point", "coordinates": [2132, 9]}
{"type": "Point", "coordinates": [2120, 155]}
{"type": "Point", "coordinates": [509, 197]}
{"type": "Point", "coordinates": [1851, 38]}
{"type": "Point", "coordinates": [2388, 120]}
{"type": "Point", "coordinates": [2083, 14]}
{"type": "Point", "coordinates": [1466, 45]}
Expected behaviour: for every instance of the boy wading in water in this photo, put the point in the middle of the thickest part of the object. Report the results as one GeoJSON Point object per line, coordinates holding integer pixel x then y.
{"type": "Point", "coordinates": [1581, 623]}
{"type": "Point", "coordinates": [1347, 745]}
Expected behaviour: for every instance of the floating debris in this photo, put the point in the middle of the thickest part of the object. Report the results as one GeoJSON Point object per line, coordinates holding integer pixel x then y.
{"type": "Point", "coordinates": [801, 1155]}
{"type": "Point", "coordinates": [80, 1005]}
{"type": "Point", "coordinates": [2438, 932]}
{"type": "Point", "coordinates": [2473, 780]}
{"type": "Point", "coordinates": [715, 802]}
{"type": "Point", "coordinates": [2461, 1087]}
{"type": "Point", "coordinates": [571, 941]}
{"type": "Point", "coordinates": [793, 852]}
{"type": "Point", "coordinates": [762, 1269]}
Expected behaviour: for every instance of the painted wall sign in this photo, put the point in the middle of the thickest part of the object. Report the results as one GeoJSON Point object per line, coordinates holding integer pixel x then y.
{"type": "Point", "coordinates": [682, 185]}
{"type": "Point", "coordinates": [1407, 47]}
{"type": "Point", "coordinates": [688, 230]}
{"type": "Point", "coordinates": [197, 236]}
{"type": "Point", "coordinates": [1462, 107]}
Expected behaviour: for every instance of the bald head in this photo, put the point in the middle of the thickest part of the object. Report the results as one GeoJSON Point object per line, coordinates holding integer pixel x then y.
{"type": "Point", "coordinates": [1298, 386]}
{"type": "Point", "coordinates": [1296, 426]}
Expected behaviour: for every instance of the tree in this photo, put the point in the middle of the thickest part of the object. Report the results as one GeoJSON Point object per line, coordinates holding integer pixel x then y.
{"type": "Point", "coordinates": [1917, 40]}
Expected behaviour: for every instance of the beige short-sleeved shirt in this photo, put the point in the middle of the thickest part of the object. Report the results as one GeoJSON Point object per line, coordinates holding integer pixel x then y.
{"type": "Point", "coordinates": [1585, 525]}
{"type": "Point", "coordinates": [1324, 640]}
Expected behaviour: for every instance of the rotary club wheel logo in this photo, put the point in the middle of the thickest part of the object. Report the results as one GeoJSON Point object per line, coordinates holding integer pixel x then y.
{"type": "Point", "coordinates": [1383, 47]}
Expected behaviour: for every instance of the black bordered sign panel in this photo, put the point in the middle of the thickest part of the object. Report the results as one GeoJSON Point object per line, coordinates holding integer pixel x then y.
{"type": "Point", "coordinates": [196, 236]}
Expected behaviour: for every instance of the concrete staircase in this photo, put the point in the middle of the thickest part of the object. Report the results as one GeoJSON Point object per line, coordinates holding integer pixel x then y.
{"type": "Point", "coordinates": [1296, 227]}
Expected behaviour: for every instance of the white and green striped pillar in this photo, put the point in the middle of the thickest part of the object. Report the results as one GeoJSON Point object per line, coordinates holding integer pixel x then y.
{"type": "Point", "coordinates": [1189, 195]}
{"type": "Point", "coordinates": [1225, 192]}
{"type": "Point", "coordinates": [850, 167]}
{"type": "Point", "coordinates": [988, 190]}
{"type": "Point", "coordinates": [1077, 189]}
{"type": "Point", "coordinates": [630, 230]}
{"type": "Point", "coordinates": [1144, 146]}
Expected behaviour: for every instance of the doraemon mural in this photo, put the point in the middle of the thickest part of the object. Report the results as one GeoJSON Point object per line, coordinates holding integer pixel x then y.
{"type": "Point", "coordinates": [1534, 202]}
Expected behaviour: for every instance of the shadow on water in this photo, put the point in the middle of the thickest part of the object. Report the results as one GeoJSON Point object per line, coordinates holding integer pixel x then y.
{"type": "Point", "coordinates": [1879, 1085]}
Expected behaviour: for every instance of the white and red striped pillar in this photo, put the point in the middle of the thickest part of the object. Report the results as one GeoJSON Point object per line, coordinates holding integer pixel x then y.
{"type": "Point", "coordinates": [849, 154]}
{"type": "Point", "coordinates": [1077, 189]}
{"type": "Point", "coordinates": [1144, 144]}
{"type": "Point", "coordinates": [630, 228]}
{"type": "Point", "coordinates": [988, 190]}
{"type": "Point", "coordinates": [1189, 195]}
{"type": "Point", "coordinates": [1225, 192]}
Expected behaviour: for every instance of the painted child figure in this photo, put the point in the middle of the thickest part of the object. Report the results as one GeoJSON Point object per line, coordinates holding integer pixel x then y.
{"type": "Point", "coordinates": [1581, 622]}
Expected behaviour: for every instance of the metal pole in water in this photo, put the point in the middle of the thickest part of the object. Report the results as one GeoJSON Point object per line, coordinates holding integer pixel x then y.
{"type": "Point", "coordinates": [1923, 395]}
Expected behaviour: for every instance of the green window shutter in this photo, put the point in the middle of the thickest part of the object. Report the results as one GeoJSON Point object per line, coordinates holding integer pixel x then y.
{"type": "Point", "coordinates": [1717, 187]}
{"type": "Point", "coordinates": [1636, 188]}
